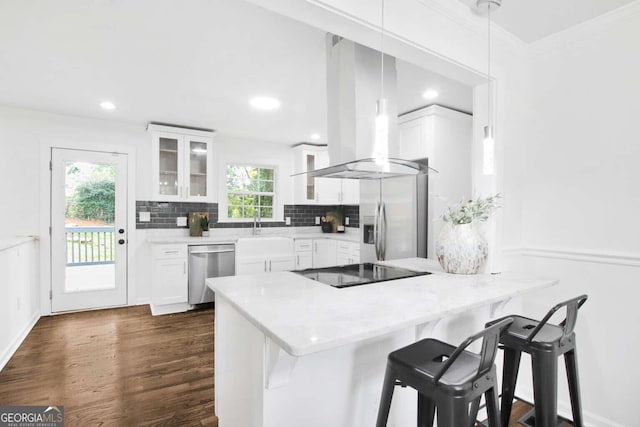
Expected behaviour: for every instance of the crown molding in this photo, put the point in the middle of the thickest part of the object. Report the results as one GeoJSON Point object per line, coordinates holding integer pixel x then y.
{"type": "Point", "coordinates": [577, 34]}
{"type": "Point", "coordinates": [463, 15]}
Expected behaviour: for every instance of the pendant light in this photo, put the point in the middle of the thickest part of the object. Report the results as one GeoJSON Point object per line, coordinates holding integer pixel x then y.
{"type": "Point", "coordinates": [488, 143]}
{"type": "Point", "coordinates": [381, 135]}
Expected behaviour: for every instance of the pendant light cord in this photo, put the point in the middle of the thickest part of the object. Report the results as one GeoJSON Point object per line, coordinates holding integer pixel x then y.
{"type": "Point", "coordinates": [382, 50]}
{"type": "Point", "coordinates": [489, 62]}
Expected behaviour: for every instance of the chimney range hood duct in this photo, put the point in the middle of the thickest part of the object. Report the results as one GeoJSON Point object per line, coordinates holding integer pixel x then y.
{"type": "Point", "coordinates": [353, 87]}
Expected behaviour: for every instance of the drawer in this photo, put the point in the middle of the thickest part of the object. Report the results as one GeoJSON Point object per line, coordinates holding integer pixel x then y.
{"type": "Point", "coordinates": [169, 251]}
{"type": "Point", "coordinates": [302, 245]}
{"type": "Point", "coordinates": [349, 247]}
{"type": "Point", "coordinates": [345, 247]}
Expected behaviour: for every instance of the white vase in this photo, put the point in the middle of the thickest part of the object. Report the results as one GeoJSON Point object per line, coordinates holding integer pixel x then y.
{"type": "Point", "coordinates": [461, 248]}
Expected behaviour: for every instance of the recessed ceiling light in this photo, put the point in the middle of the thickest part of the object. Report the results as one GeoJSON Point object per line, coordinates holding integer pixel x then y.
{"type": "Point", "coordinates": [108, 105]}
{"type": "Point", "coordinates": [315, 136]}
{"type": "Point", "coordinates": [430, 94]}
{"type": "Point", "coordinates": [264, 103]}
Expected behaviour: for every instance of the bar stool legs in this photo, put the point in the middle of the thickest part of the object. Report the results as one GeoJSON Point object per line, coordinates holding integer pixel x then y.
{"type": "Point", "coordinates": [385, 399]}
{"type": "Point", "coordinates": [509, 377]}
{"type": "Point", "coordinates": [571, 364]}
{"type": "Point", "coordinates": [545, 388]}
{"type": "Point", "coordinates": [545, 343]}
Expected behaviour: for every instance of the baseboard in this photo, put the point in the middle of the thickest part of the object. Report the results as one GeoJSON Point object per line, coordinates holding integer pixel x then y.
{"type": "Point", "coordinates": [158, 310]}
{"type": "Point", "coordinates": [564, 410]}
{"type": "Point", "coordinates": [10, 351]}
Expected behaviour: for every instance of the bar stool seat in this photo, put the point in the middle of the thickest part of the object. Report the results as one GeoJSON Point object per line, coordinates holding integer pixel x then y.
{"type": "Point", "coordinates": [545, 342]}
{"type": "Point", "coordinates": [449, 378]}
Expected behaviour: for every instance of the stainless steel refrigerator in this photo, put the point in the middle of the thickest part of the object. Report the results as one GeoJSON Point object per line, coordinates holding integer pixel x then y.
{"type": "Point", "coordinates": [393, 215]}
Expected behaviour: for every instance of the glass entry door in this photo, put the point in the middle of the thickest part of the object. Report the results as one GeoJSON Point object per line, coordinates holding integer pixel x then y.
{"type": "Point", "coordinates": [88, 229]}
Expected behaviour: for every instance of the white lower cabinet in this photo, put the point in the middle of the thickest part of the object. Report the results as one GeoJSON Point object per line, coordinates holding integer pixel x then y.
{"type": "Point", "coordinates": [303, 253]}
{"type": "Point", "coordinates": [324, 253]}
{"type": "Point", "coordinates": [262, 264]}
{"type": "Point", "coordinates": [348, 253]}
{"type": "Point", "coordinates": [169, 279]}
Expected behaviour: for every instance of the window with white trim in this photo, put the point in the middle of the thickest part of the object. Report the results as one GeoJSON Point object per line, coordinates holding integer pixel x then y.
{"type": "Point", "coordinates": [250, 190]}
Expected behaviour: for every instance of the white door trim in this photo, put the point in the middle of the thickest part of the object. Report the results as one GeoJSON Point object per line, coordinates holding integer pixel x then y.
{"type": "Point", "coordinates": [45, 210]}
{"type": "Point", "coordinates": [85, 299]}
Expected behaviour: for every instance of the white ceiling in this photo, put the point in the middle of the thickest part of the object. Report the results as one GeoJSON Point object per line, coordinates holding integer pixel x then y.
{"type": "Point", "coordinates": [197, 62]}
{"type": "Point", "coordinates": [531, 20]}
{"type": "Point", "coordinates": [193, 63]}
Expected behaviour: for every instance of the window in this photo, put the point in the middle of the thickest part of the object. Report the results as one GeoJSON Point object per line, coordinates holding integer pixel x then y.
{"type": "Point", "coordinates": [250, 190]}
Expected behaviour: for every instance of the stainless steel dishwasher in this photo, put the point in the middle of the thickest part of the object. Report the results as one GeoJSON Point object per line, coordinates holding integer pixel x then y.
{"type": "Point", "coordinates": [207, 261]}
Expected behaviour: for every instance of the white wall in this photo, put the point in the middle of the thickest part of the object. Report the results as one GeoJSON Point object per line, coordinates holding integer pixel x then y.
{"type": "Point", "coordinates": [580, 199]}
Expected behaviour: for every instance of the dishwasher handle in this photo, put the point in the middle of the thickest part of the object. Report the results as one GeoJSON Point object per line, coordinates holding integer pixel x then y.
{"type": "Point", "coordinates": [216, 251]}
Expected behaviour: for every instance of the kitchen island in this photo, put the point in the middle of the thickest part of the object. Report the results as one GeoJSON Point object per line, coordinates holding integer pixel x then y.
{"type": "Point", "coordinates": [290, 351]}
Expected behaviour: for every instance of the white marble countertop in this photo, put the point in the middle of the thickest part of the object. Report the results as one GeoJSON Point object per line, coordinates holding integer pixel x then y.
{"type": "Point", "coordinates": [158, 240]}
{"type": "Point", "coordinates": [304, 316]}
{"type": "Point", "coordinates": [10, 242]}
{"type": "Point", "coordinates": [229, 237]}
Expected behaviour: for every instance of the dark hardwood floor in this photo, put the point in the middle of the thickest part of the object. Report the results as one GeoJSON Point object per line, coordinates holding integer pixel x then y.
{"type": "Point", "coordinates": [117, 367]}
{"type": "Point", "coordinates": [122, 367]}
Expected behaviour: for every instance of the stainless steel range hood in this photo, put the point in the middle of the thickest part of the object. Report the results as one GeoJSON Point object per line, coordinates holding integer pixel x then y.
{"type": "Point", "coordinates": [353, 87]}
{"type": "Point", "coordinates": [370, 169]}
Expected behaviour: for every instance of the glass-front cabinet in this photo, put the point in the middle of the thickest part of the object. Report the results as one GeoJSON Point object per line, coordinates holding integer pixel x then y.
{"type": "Point", "coordinates": [182, 163]}
{"type": "Point", "coordinates": [308, 157]}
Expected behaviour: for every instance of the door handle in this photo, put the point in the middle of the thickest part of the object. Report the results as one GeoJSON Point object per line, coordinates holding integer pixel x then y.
{"type": "Point", "coordinates": [298, 260]}
{"type": "Point", "coordinates": [269, 265]}
{"type": "Point", "coordinates": [219, 251]}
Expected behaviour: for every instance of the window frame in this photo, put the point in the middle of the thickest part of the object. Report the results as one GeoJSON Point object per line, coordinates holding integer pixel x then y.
{"type": "Point", "coordinates": [224, 211]}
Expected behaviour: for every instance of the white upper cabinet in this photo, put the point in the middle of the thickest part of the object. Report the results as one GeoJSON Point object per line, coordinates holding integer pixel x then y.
{"type": "Point", "coordinates": [182, 163]}
{"type": "Point", "coordinates": [308, 157]}
{"type": "Point", "coordinates": [443, 136]}
{"type": "Point", "coordinates": [320, 191]}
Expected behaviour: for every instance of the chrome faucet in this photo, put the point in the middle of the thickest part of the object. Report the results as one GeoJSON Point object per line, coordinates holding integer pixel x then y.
{"type": "Point", "coordinates": [257, 225]}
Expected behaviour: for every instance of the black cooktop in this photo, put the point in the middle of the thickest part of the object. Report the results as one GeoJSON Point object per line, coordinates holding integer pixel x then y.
{"type": "Point", "coordinates": [357, 274]}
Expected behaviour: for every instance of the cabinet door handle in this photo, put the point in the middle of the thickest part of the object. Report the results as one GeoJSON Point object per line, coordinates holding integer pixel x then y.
{"type": "Point", "coordinates": [269, 265]}
{"type": "Point", "coordinates": [315, 246]}
{"type": "Point", "coordinates": [298, 260]}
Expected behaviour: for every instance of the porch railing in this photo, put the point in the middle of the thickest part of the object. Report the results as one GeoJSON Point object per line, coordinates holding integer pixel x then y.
{"type": "Point", "coordinates": [90, 245]}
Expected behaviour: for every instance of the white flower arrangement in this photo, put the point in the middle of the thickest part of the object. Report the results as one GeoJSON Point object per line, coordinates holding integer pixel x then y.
{"type": "Point", "coordinates": [465, 212]}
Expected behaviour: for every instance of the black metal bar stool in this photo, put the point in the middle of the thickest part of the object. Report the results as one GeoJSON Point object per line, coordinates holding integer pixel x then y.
{"type": "Point", "coordinates": [545, 343]}
{"type": "Point", "coordinates": [448, 378]}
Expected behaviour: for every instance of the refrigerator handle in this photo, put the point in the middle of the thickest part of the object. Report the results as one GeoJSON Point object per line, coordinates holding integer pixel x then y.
{"type": "Point", "coordinates": [383, 232]}
{"type": "Point", "coordinates": [376, 231]}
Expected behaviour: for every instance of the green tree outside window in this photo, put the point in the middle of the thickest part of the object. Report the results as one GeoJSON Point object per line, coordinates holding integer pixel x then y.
{"type": "Point", "coordinates": [250, 190]}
